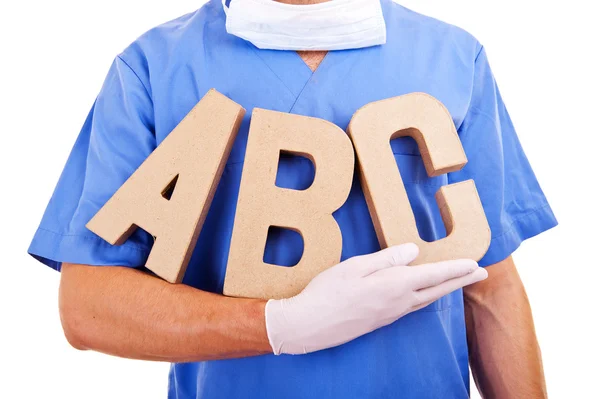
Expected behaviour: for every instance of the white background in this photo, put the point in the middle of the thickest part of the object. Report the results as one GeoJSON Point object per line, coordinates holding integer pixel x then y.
{"type": "Point", "coordinates": [55, 55]}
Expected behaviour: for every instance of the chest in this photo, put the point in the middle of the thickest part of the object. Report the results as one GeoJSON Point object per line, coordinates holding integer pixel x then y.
{"type": "Point", "coordinates": [343, 82]}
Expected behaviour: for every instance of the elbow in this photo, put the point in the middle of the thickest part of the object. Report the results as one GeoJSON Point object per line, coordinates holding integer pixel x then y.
{"type": "Point", "coordinates": [72, 308]}
{"type": "Point", "coordinates": [73, 327]}
{"type": "Point", "coordinates": [87, 317]}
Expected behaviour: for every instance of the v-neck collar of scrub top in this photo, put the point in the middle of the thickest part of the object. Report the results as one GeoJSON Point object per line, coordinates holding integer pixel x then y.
{"type": "Point", "coordinates": [297, 77]}
{"type": "Point", "coordinates": [290, 68]}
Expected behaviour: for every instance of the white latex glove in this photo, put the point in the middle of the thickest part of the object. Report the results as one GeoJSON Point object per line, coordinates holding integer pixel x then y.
{"type": "Point", "coordinates": [360, 295]}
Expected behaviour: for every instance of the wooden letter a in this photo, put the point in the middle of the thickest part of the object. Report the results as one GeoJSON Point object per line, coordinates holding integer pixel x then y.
{"type": "Point", "coordinates": [187, 166]}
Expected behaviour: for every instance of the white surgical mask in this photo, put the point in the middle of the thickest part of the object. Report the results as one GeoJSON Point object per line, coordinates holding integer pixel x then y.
{"type": "Point", "coordinates": [333, 25]}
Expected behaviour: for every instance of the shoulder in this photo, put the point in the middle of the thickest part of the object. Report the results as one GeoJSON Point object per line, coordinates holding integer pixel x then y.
{"type": "Point", "coordinates": [157, 47]}
{"type": "Point", "coordinates": [427, 31]}
{"type": "Point", "coordinates": [187, 28]}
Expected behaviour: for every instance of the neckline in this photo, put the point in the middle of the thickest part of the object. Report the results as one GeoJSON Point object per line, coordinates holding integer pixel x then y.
{"type": "Point", "coordinates": [321, 62]}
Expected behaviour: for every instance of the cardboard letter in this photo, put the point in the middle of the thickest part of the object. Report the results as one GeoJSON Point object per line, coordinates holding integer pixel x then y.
{"type": "Point", "coordinates": [426, 120]}
{"type": "Point", "coordinates": [189, 162]}
{"type": "Point", "coordinates": [262, 204]}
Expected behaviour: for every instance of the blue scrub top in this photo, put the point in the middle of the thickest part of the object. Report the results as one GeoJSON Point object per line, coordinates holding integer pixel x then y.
{"type": "Point", "coordinates": [157, 80]}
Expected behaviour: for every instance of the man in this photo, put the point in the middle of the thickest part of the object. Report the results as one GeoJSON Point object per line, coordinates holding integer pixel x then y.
{"type": "Point", "coordinates": [387, 330]}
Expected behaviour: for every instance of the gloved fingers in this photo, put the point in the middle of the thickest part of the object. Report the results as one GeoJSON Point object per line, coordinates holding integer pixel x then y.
{"type": "Point", "coordinates": [433, 274]}
{"type": "Point", "coordinates": [398, 255]}
{"type": "Point", "coordinates": [428, 295]}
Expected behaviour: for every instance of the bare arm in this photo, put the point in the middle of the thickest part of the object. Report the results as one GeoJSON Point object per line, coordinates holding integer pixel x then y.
{"type": "Point", "coordinates": [503, 348]}
{"type": "Point", "coordinates": [128, 313]}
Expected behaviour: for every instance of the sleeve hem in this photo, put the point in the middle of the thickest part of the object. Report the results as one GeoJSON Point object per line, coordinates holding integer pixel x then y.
{"type": "Point", "coordinates": [52, 249]}
{"type": "Point", "coordinates": [521, 229]}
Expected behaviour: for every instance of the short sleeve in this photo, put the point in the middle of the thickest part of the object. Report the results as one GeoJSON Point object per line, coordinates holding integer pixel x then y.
{"type": "Point", "coordinates": [515, 206]}
{"type": "Point", "coordinates": [118, 135]}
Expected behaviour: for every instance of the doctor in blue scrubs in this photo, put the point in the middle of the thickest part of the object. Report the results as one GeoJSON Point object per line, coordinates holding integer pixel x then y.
{"type": "Point", "coordinates": [386, 330]}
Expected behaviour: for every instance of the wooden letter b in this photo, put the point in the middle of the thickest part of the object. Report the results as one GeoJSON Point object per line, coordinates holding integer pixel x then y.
{"type": "Point", "coordinates": [262, 204]}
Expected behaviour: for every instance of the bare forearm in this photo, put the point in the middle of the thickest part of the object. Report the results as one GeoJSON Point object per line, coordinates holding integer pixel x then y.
{"type": "Point", "coordinates": [127, 313]}
{"type": "Point", "coordinates": [503, 348]}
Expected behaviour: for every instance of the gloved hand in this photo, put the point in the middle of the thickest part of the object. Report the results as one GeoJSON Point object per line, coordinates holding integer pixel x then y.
{"type": "Point", "coordinates": [360, 295]}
